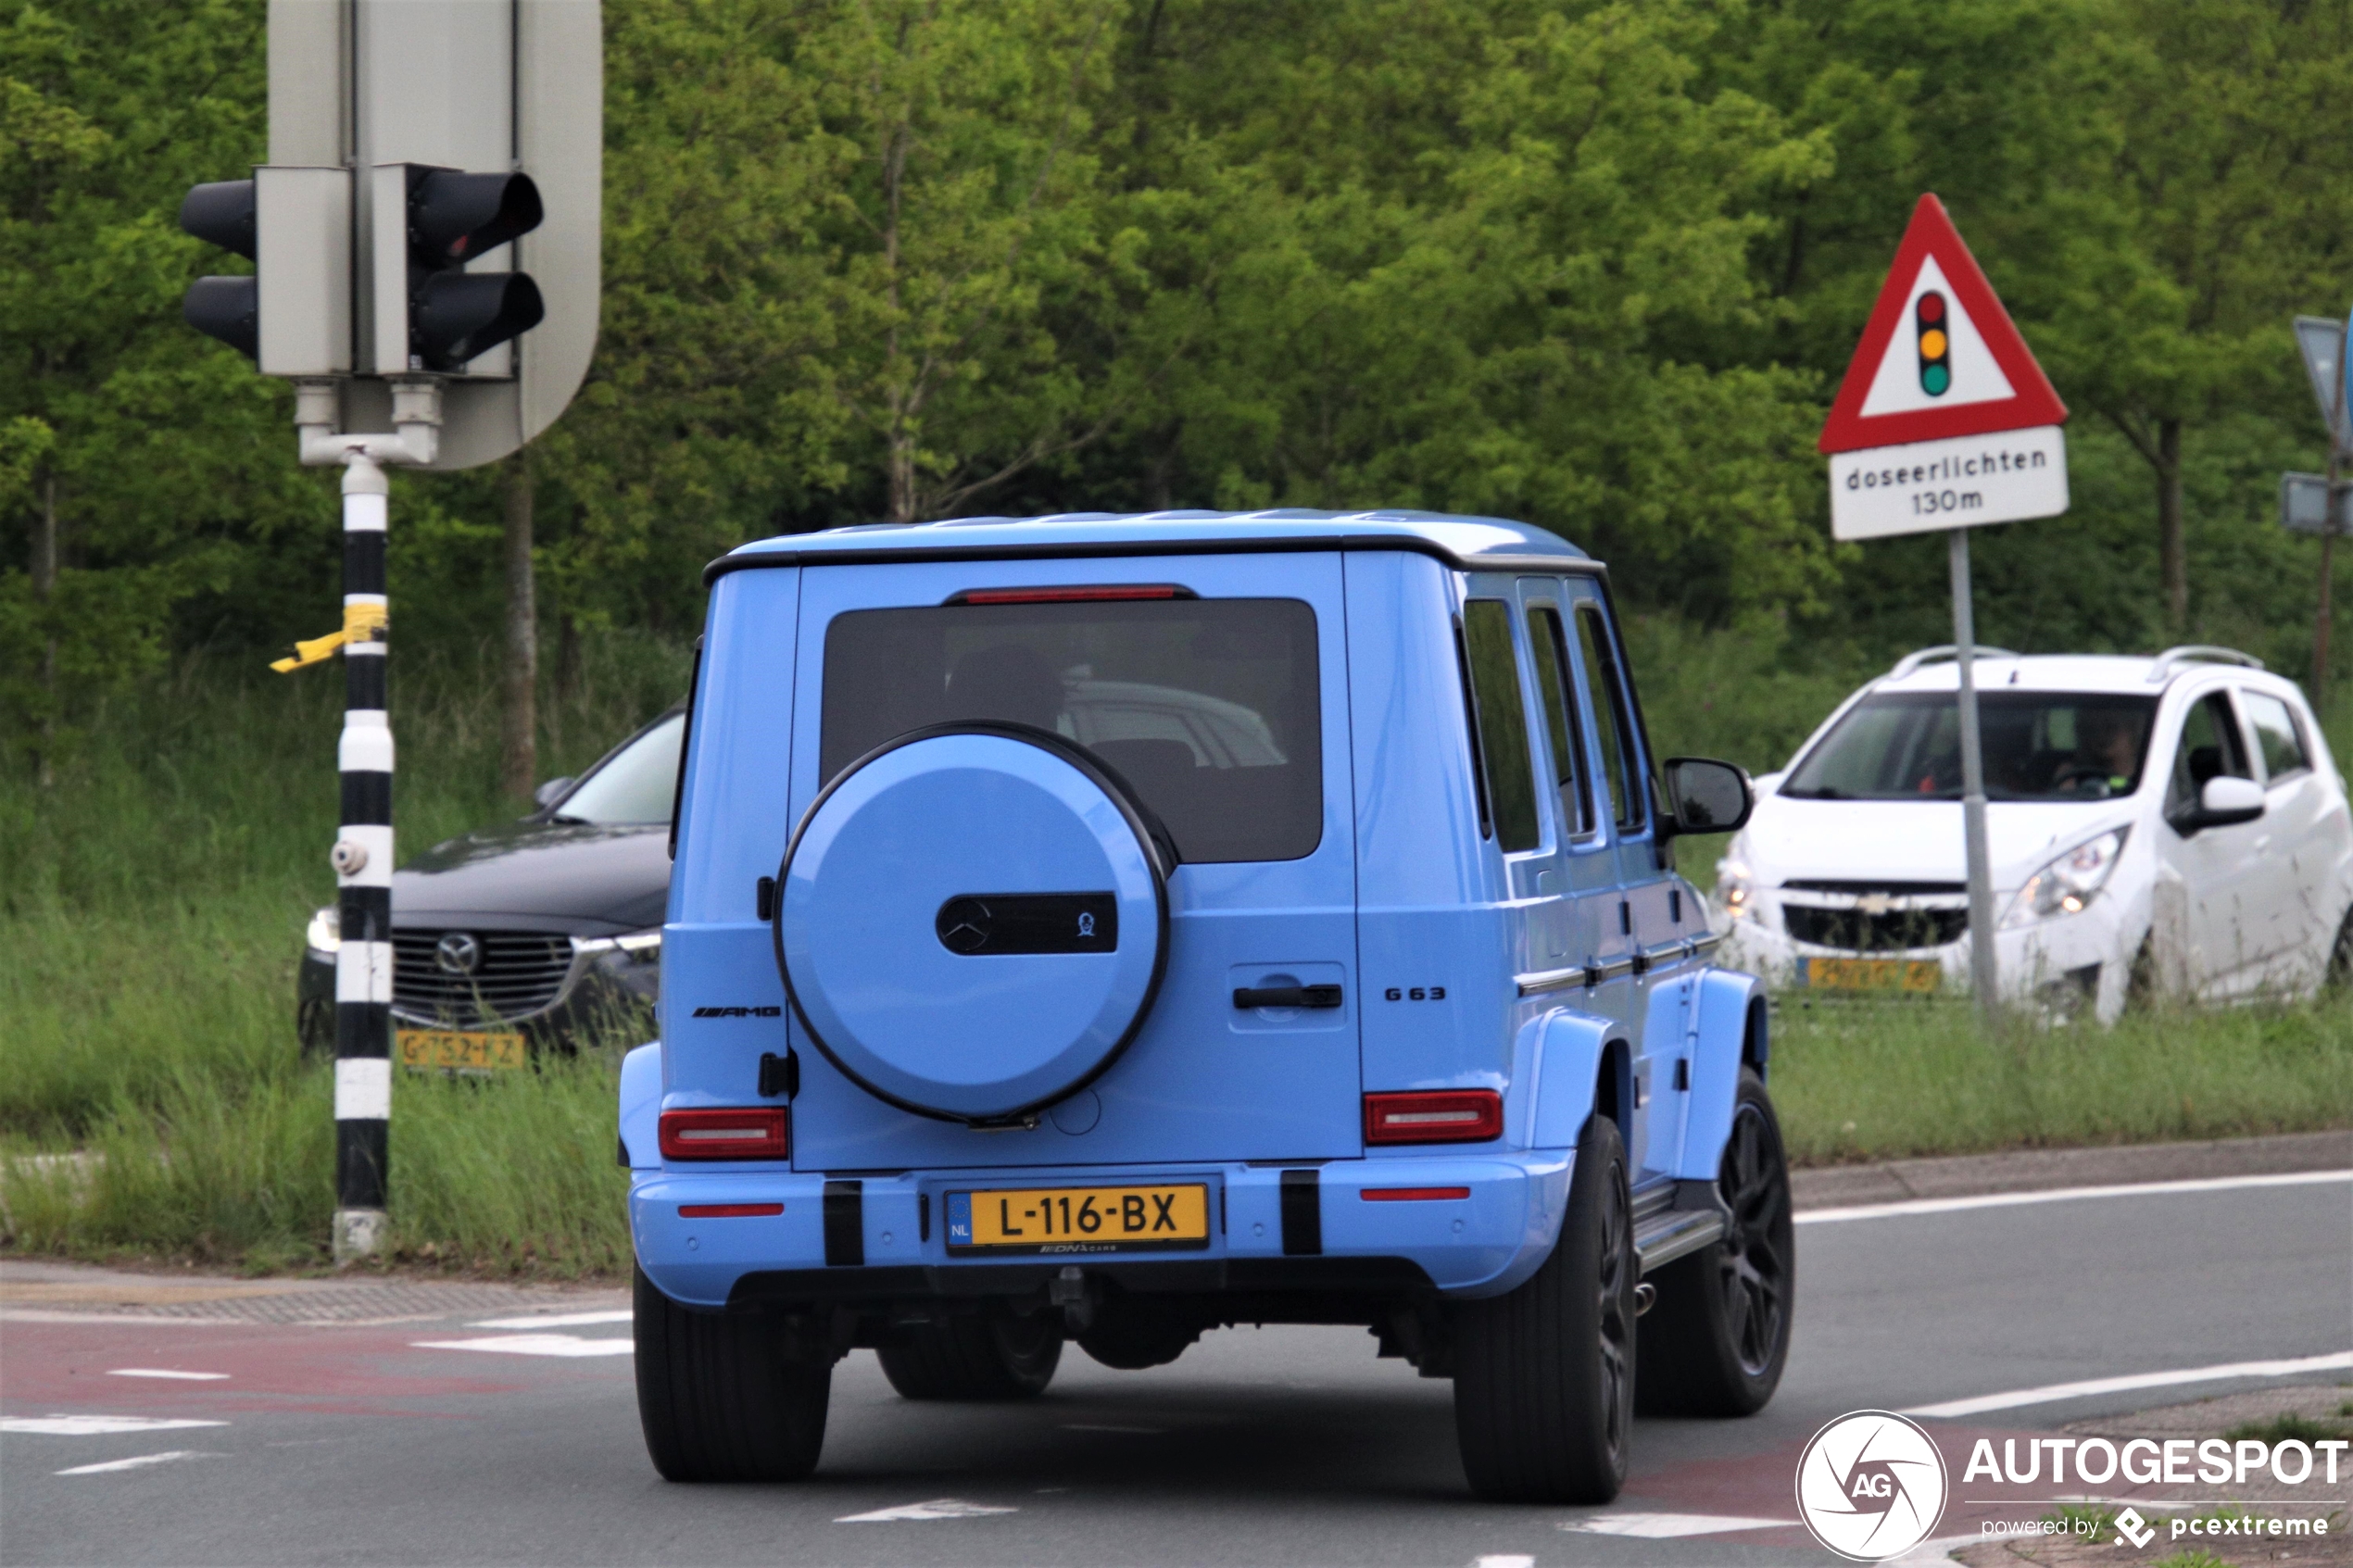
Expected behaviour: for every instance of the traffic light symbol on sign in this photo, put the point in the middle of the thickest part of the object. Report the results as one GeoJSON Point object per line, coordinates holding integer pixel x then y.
{"type": "Point", "coordinates": [229, 309]}
{"type": "Point", "coordinates": [453, 218]}
{"type": "Point", "coordinates": [1935, 340]}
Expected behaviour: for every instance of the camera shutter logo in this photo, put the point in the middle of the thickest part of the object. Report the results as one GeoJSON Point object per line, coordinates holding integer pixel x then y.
{"type": "Point", "coordinates": [1871, 1485]}
{"type": "Point", "coordinates": [457, 953]}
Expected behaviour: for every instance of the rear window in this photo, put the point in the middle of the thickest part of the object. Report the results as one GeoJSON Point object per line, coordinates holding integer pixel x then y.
{"type": "Point", "coordinates": [1210, 707]}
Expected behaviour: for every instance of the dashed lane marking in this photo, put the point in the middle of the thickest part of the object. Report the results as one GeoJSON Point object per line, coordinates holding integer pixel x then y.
{"type": "Point", "coordinates": [564, 1320]}
{"type": "Point", "coordinates": [95, 1426]}
{"type": "Point", "coordinates": [165, 1371]}
{"type": "Point", "coordinates": [2063, 1194]}
{"type": "Point", "coordinates": [938, 1508]}
{"type": "Point", "coordinates": [534, 1345]}
{"type": "Point", "coordinates": [137, 1461]}
{"type": "Point", "coordinates": [1669, 1526]}
{"type": "Point", "coordinates": [1504, 1561]}
{"type": "Point", "coordinates": [2053, 1393]}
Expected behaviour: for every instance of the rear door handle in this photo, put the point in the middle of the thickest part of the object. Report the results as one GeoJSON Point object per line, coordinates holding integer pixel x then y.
{"type": "Point", "coordinates": [1286, 995]}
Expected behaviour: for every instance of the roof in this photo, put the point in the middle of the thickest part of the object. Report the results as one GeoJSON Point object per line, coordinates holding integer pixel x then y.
{"type": "Point", "coordinates": [2058, 672]}
{"type": "Point", "coordinates": [1469, 542]}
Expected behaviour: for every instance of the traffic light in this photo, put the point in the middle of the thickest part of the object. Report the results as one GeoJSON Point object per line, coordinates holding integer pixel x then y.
{"type": "Point", "coordinates": [452, 219]}
{"type": "Point", "coordinates": [1936, 343]}
{"type": "Point", "coordinates": [225, 308]}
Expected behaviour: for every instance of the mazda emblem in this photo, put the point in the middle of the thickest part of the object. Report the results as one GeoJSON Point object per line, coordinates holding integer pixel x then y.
{"type": "Point", "coordinates": [457, 953]}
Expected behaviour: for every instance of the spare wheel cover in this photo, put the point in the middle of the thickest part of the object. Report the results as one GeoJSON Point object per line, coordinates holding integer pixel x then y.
{"type": "Point", "coordinates": [972, 921]}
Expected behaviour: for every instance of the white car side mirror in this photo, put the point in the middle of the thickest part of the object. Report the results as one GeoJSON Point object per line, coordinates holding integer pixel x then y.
{"type": "Point", "coordinates": [2222, 802]}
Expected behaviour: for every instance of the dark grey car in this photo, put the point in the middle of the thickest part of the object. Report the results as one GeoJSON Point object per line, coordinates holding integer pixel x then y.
{"type": "Point", "coordinates": [538, 927]}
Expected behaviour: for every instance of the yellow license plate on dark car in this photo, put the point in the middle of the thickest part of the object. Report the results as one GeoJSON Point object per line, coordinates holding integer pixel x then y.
{"type": "Point", "coordinates": [1916, 975]}
{"type": "Point", "coordinates": [482, 1050]}
{"type": "Point", "coordinates": [1110, 1219]}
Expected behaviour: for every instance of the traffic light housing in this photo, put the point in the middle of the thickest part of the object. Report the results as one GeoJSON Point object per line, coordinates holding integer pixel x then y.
{"type": "Point", "coordinates": [1932, 324]}
{"type": "Point", "coordinates": [229, 309]}
{"type": "Point", "coordinates": [453, 218]}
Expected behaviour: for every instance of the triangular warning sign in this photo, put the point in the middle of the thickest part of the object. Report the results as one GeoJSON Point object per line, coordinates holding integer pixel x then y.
{"type": "Point", "coordinates": [1939, 357]}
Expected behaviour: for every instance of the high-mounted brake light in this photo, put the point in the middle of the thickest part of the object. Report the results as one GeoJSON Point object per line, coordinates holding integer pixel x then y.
{"type": "Point", "coordinates": [1434, 1116]}
{"type": "Point", "coordinates": [1072, 595]}
{"type": "Point", "coordinates": [758, 1131]}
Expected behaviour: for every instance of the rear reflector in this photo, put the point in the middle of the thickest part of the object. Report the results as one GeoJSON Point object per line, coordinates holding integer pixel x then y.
{"type": "Point", "coordinates": [728, 1211]}
{"type": "Point", "coordinates": [1072, 595]}
{"type": "Point", "coordinates": [1434, 1116]}
{"type": "Point", "coordinates": [1412, 1195]}
{"type": "Point", "coordinates": [758, 1131]}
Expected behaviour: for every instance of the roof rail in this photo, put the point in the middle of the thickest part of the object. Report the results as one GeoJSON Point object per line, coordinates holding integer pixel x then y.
{"type": "Point", "coordinates": [1941, 651]}
{"type": "Point", "coordinates": [2200, 653]}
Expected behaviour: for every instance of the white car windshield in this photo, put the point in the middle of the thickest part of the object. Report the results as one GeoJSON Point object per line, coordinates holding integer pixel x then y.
{"type": "Point", "coordinates": [2038, 746]}
{"type": "Point", "coordinates": [635, 784]}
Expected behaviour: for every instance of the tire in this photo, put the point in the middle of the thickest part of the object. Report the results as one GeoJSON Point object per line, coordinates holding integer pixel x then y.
{"type": "Point", "coordinates": [719, 1397]}
{"type": "Point", "coordinates": [2338, 976]}
{"type": "Point", "coordinates": [1544, 1375]}
{"type": "Point", "coordinates": [975, 1359]}
{"type": "Point", "coordinates": [1717, 1339]}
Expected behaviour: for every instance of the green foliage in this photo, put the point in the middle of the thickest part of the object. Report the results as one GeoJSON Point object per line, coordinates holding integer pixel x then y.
{"type": "Point", "coordinates": [2290, 1427]}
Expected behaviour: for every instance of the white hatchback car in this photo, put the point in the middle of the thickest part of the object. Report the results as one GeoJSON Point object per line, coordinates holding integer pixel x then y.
{"type": "Point", "coordinates": [2174, 822]}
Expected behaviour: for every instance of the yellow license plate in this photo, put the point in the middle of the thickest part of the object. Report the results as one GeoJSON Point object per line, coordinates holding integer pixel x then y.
{"type": "Point", "coordinates": [1917, 976]}
{"type": "Point", "coordinates": [1120, 1219]}
{"type": "Point", "coordinates": [460, 1048]}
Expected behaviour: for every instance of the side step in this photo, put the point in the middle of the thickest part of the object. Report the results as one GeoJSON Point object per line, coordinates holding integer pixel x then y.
{"type": "Point", "coordinates": [1675, 1220]}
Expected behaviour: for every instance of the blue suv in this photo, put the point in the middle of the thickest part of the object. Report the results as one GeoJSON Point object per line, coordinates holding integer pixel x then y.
{"type": "Point", "coordinates": [1110, 928]}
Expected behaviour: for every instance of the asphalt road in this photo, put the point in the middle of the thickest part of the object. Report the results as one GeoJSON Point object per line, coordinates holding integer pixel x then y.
{"type": "Point", "coordinates": [362, 1443]}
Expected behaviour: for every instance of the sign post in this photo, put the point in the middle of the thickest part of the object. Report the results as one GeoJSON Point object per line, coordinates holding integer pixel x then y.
{"type": "Point", "coordinates": [425, 241]}
{"type": "Point", "coordinates": [2327, 348]}
{"type": "Point", "coordinates": [1943, 424]}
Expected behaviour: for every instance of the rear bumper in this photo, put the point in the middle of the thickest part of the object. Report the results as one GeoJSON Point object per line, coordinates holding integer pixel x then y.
{"type": "Point", "coordinates": [868, 1239]}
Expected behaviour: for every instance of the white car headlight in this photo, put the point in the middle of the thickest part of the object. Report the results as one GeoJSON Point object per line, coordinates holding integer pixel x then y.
{"type": "Point", "coordinates": [639, 946]}
{"type": "Point", "coordinates": [324, 935]}
{"type": "Point", "coordinates": [2069, 883]}
{"type": "Point", "coordinates": [1732, 886]}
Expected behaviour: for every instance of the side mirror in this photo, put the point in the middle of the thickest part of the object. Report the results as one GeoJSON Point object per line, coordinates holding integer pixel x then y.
{"type": "Point", "coordinates": [2223, 801]}
{"type": "Point", "coordinates": [1705, 795]}
{"type": "Point", "coordinates": [547, 794]}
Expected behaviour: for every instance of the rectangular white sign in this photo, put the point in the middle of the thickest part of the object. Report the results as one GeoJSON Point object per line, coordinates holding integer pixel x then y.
{"type": "Point", "coordinates": [1930, 486]}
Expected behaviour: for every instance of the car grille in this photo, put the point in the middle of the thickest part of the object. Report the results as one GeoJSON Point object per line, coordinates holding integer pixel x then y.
{"type": "Point", "coordinates": [520, 973]}
{"type": "Point", "coordinates": [1857, 931]}
{"type": "Point", "coordinates": [1885, 890]}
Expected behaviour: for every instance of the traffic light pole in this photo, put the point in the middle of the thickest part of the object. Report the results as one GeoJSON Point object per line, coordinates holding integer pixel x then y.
{"type": "Point", "coordinates": [1983, 982]}
{"type": "Point", "coordinates": [363, 850]}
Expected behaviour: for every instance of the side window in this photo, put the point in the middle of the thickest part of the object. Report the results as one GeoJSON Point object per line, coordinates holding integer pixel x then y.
{"type": "Point", "coordinates": [2210, 748]}
{"type": "Point", "coordinates": [1606, 688]}
{"type": "Point", "coordinates": [1502, 723]}
{"type": "Point", "coordinates": [2277, 735]}
{"type": "Point", "coordinates": [1548, 642]}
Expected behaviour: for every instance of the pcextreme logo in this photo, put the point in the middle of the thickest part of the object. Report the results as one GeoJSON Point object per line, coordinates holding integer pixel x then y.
{"type": "Point", "coordinates": [1871, 1485]}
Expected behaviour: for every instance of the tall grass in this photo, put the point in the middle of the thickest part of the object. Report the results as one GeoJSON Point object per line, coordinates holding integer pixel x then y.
{"type": "Point", "coordinates": [151, 921]}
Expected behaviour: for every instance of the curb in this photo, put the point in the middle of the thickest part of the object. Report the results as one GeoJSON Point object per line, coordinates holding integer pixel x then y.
{"type": "Point", "coordinates": [2042, 1170]}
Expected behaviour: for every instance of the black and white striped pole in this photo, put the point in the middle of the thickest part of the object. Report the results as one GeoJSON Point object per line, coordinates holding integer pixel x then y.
{"type": "Point", "coordinates": [363, 850]}
{"type": "Point", "coordinates": [363, 861]}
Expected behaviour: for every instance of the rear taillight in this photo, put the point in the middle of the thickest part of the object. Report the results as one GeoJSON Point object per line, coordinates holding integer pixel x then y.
{"type": "Point", "coordinates": [738, 1211]}
{"type": "Point", "coordinates": [1434, 1116]}
{"type": "Point", "coordinates": [757, 1132]}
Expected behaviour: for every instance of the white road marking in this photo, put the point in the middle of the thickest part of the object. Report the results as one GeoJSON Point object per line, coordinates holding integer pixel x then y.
{"type": "Point", "coordinates": [939, 1508]}
{"type": "Point", "coordinates": [138, 1461]}
{"type": "Point", "coordinates": [1669, 1526]}
{"type": "Point", "coordinates": [2053, 1393]}
{"type": "Point", "coordinates": [1089, 1426]}
{"type": "Point", "coordinates": [2063, 1194]}
{"type": "Point", "coordinates": [94, 1425]}
{"type": "Point", "coordinates": [161, 1372]}
{"type": "Point", "coordinates": [566, 1320]}
{"type": "Point", "coordinates": [1503, 1560]}
{"type": "Point", "coordinates": [534, 1345]}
